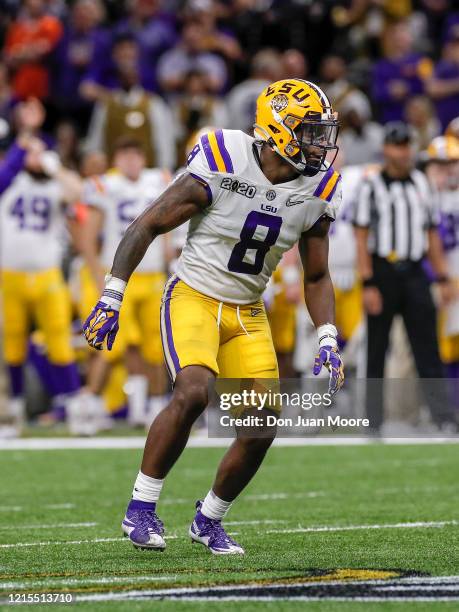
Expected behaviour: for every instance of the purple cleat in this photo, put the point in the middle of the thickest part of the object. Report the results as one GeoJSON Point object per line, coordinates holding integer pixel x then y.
{"type": "Point", "coordinates": [211, 534]}
{"type": "Point", "coordinates": [143, 527]}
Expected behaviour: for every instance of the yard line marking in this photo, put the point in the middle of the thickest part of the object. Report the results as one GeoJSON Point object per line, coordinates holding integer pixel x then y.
{"type": "Point", "coordinates": [272, 496]}
{"type": "Point", "coordinates": [76, 581]}
{"type": "Point", "coordinates": [355, 527]}
{"type": "Point", "coordinates": [47, 506]}
{"type": "Point", "coordinates": [261, 522]}
{"type": "Point", "coordinates": [58, 525]}
{"type": "Point", "coordinates": [73, 542]}
{"type": "Point", "coordinates": [138, 442]}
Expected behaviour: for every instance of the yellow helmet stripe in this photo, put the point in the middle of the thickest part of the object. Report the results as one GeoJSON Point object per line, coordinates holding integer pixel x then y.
{"type": "Point", "coordinates": [329, 186]}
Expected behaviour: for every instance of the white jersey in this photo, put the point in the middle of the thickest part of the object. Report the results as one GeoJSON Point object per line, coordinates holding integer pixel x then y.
{"type": "Point", "coordinates": [449, 231]}
{"type": "Point", "coordinates": [343, 252]}
{"type": "Point", "coordinates": [32, 224]}
{"type": "Point", "coordinates": [235, 244]}
{"type": "Point", "coordinates": [121, 201]}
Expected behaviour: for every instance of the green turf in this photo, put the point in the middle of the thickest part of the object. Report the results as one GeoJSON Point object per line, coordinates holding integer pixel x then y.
{"type": "Point", "coordinates": [315, 486]}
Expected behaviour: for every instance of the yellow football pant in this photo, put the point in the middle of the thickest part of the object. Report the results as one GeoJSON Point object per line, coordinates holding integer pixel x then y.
{"type": "Point", "coordinates": [349, 310]}
{"type": "Point", "coordinates": [232, 341]}
{"type": "Point", "coordinates": [41, 297]}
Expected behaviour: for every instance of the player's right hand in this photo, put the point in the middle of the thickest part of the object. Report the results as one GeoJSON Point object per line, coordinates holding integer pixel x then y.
{"type": "Point", "coordinates": [102, 324]}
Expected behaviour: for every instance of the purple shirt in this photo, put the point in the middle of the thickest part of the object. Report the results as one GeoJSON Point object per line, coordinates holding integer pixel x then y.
{"type": "Point", "coordinates": [408, 69]}
{"type": "Point", "coordinates": [154, 37]}
{"type": "Point", "coordinates": [448, 107]}
{"type": "Point", "coordinates": [72, 58]}
{"type": "Point", "coordinates": [11, 165]}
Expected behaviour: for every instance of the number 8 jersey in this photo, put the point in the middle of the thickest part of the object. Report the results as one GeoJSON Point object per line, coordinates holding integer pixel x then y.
{"type": "Point", "coordinates": [235, 244]}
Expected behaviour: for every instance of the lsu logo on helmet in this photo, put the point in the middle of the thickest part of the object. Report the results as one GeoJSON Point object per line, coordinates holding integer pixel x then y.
{"type": "Point", "coordinates": [297, 120]}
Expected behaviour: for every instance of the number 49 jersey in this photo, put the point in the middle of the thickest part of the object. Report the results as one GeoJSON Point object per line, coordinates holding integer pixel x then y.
{"type": "Point", "coordinates": [235, 244]}
{"type": "Point", "coordinates": [32, 224]}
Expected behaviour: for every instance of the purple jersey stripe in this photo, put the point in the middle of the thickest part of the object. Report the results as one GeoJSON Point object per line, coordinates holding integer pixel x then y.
{"type": "Point", "coordinates": [208, 151]}
{"type": "Point", "coordinates": [332, 192]}
{"type": "Point", "coordinates": [224, 151]}
{"type": "Point", "coordinates": [323, 182]}
{"type": "Point", "coordinates": [167, 313]}
{"type": "Point", "coordinates": [205, 184]}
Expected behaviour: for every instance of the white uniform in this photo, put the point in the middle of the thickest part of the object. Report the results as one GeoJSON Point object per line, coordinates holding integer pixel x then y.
{"type": "Point", "coordinates": [121, 201]}
{"type": "Point", "coordinates": [234, 246]}
{"type": "Point", "coordinates": [343, 254]}
{"type": "Point", "coordinates": [449, 228]}
{"type": "Point", "coordinates": [32, 223]}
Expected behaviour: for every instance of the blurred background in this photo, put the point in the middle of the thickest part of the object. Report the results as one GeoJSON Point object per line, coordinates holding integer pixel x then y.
{"type": "Point", "coordinates": [86, 86]}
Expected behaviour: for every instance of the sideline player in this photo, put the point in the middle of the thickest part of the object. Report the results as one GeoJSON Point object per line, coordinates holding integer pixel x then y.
{"type": "Point", "coordinates": [32, 223]}
{"type": "Point", "coordinates": [442, 169]}
{"type": "Point", "coordinates": [248, 200]}
{"type": "Point", "coordinates": [115, 199]}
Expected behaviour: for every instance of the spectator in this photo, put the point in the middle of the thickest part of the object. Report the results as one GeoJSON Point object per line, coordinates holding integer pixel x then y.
{"type": "Point", "coordinates": [266, 67]}
{"type": "Point", "coordinates": [334, 81]}
{"type": "Point", "coordinates": [420, 116]}
{"type": "Point", "coordinates": [155, 32]}
{"type": "Point", "coordinates": [361, 138]}
{"type": "Point", "coordinates": [400, 74]}
{"type": "Point", "coordinates": [191, 54]}
{"type": "Point", "coordinates": [396, 226]}
{"type": "Point", "coordinates": [83, 42]}
{"type": "Point", "coordinates": [444, 85]}
{"type": "Point", "coordinates": [6, 104]}
{"type": "Point", "coordinates": [194, 109]}
{"type": "Point", "coordinates": [29, 42]}
{"type": "Point", "coordinates": [130, 110]}
{"type": "Point", "coordinates": [295, 65]}
{"type": "Point", "coordinates": [67, 144]}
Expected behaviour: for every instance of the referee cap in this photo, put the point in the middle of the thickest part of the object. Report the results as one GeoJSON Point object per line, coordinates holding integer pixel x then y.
{"type": "Point", "coordinates": [398, 133]}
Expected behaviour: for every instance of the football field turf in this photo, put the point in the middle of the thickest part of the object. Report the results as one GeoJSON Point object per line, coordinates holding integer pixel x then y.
{"type": "Point", "coordinates": [334, 525]}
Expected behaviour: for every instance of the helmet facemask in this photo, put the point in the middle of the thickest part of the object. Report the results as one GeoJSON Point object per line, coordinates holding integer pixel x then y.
{"type": "Point", "coordinates": [313, 137]}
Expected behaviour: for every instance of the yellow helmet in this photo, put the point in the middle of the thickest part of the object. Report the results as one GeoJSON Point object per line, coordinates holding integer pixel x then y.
{"type": "Point", "coordinates": [443, 149]}
{"type": "Point", "coordinates": [453, 128]}
{"type": "Point", "coordinates": [295, 118]}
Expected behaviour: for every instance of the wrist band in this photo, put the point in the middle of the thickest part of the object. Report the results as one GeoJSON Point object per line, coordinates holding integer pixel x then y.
{"type": "Point", "coordinates": [114, 291]}
{"type": "Point", "coordinates": [369, 282]}
{"type": "Point", "coordinates": [327, 335]}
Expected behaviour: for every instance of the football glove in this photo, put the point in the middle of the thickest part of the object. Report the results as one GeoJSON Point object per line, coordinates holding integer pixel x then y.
{"type": "Point", "coordinates": [329, 357]}
{"type": "Point", "coordinates": [102, 324]}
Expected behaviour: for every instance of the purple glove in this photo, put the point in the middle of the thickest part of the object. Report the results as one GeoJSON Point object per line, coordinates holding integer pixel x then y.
{"type": "Point", "coordinates": [101, 324]}
{"type": "Point", "coordinates": [329, 357]}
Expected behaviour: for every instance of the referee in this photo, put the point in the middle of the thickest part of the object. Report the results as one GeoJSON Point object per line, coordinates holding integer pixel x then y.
{"type": "Point", "coordinates": [396, 227]}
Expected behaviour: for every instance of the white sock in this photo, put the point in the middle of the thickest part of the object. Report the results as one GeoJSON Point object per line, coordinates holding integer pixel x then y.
{"type": "Point", "coordinates": [146, 488]}
{"type": "Point", "coordinates": [136, 389]}
{"type": "Point", "coordinates": [214, 507]}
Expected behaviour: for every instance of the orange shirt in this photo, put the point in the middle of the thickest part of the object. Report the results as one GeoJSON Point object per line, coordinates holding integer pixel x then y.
{"type": "Point", "coordinates": [31, 78]}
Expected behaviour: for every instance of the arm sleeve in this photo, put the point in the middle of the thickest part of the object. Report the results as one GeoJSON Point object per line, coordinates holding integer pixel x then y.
{"type": "Point", "coordinates": [199, 166]}
{"type": "Point", "coordinates": [333, 206]}
{"type": "Point", "coordinates": [11, 165]}
{"type": "Point", "coordinates": [95, 138]}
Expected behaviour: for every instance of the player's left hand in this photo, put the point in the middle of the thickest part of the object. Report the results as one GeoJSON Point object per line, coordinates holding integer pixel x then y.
{"type": "Point", "coordinates": [101, 324]}
{"type": "Point", "coordinates": [329, 357]}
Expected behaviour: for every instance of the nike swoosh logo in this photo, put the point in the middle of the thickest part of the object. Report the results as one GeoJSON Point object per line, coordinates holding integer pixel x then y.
{"type": "Point", "coordinates": [294, 202]}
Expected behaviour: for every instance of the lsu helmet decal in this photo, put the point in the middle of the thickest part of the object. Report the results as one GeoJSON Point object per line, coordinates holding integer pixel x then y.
{"type": "Point", "coordinates": [297, 120]}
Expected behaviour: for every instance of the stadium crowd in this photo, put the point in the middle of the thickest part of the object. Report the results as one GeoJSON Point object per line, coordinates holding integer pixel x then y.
{"type": "Point", "coordinates": [93, 93]}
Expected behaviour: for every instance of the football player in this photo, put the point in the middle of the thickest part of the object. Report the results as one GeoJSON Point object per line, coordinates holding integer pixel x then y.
{"type": "Point", "coordinates": [115, 199]}
{"type": "Point", "coordinates": [248, 201]}
{"type": "Point", "coordinates": [32, 223]}
{"type": "Point", "coordinates": [442, 159]}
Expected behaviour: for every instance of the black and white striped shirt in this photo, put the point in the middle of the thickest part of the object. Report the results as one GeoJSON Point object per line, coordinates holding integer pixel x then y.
{"type": "Point", "coordinates": [398, 214]}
